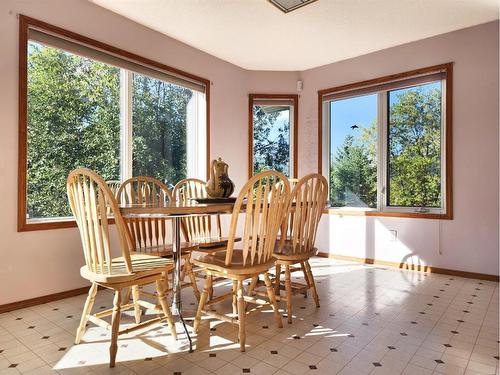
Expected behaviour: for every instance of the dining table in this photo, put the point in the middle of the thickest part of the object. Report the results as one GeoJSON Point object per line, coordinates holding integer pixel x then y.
{"type": "Point", "coordinates": [176, 211]}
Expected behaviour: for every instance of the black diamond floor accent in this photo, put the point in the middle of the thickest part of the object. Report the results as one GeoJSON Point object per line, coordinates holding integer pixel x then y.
{"type": "Point", "coordinates": [313, 367]}
{"type": "Point", "coordinates": [365, 324]}
{"type": "Point", "coordinates": [177, 373]}
{"type": "Point", "coordinates": [148, 359]}
{"type": "Point", "coordinates": [213, 329]}
{"type": "Point", "coordinates": [45, 337]}
{"type": "Point", "coordinates": [246, 370]}
{"type": "Point", "coordinates": [403, 334]}
{"type": "Point", "coordinates": [69, 316]}
{"type": "Point", "coordinates": [377, 364]}
{"type": "Point", "coordinates": [13, 365]}
{"type": "Point", "coordinates": [441, 290]}
{"type": "Point", "coordinates": [265, 327]}
{"type": "Point", "coordinates": [351, 335]}
{"type": "Point", "coordinates": [302, 307]}
{"type": "Point", "coordinates": [436, 296]}
{"type": "Point", "coordinates": [274, 352]}
{"type": "Point", "coordinates": [465, 311]}
{"type": "Point", "coordinates": [454, 332]}
{"type": "Point", "coordinates": [438, 361]}
{"type": "Point", "coordinates": [212, 355]}
{"type": "Point", "coordinates": [429, 304]}
{"type": "Point", "coordinates": [447, 345]}
{"type": "Point", "coordinates": [19, 318]}
{"type": "Point", "coordinates": [473, 295]}
{"type": "Point", "coordinates": [470, 303]}
{"type": "Point", "coordinates": [295, 337]}
{"type": "Point", "coordinates": [31, 327]}
{"type": "Point", "coordinates": [333, 350]}
{"type": "Point", "coordinates": [56, 309]}
{"type": "Point", "coordinates": [390, 347]}
{"type": "Point", "coordinates": [315, 325]}
{"type": "Point", "coordinates": [62, 349]}
{"type": "Point", "coordinates": [422, 312]}
{"type": "Point", "coordinates": [413, 322]}
{"type": "Point", "coordinates": [461, 321]}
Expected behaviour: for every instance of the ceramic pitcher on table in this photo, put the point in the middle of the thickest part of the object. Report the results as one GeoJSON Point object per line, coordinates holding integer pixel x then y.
{"type": "Point", "coordinates": [219, 185]}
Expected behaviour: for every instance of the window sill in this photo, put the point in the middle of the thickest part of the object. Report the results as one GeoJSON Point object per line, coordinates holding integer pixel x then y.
{"type": "Point", "coordinates": [416, 215]}
{"type": "Point", "coordinates": [47, 224]}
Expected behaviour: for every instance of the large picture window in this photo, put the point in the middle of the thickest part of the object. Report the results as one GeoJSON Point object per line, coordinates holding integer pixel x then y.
{"type": "Point", "coordinates": [85, 104]}
{"type": "Point", "coordinates": [386, 144]}
{"type": "Point", "coordinates": [272, 133]}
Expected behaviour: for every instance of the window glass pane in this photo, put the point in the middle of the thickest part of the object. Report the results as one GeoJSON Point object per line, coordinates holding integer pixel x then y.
{"type": "Point", "coordinates": [73, 121]}
{"type": "Point", "coordinates": [414, 146]}
{"type": "Point", "coordinates": [159, 117]}
{"type": "Point", "coordinates": [353, 150]}
{"type": "Point", "coordinates": [271, 138]}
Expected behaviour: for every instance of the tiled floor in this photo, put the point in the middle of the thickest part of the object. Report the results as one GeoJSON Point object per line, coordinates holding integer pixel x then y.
{"type": "Point", "coordinates": [372, 320]}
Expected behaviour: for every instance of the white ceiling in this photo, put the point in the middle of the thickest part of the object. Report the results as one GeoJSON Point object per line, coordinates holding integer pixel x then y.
{"type": "Point", "coordinates": [254, 34]}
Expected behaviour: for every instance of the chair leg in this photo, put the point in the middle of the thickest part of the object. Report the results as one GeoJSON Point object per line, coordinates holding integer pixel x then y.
{"type": "Point", "coordinates": [211, 290]}
{"type": "Point", "coordinates": [201, 304]}
{"type": "Point", "coordinates": [235, 300]}
{"type": "Point", "coordinates": [128, 295]}
{"type": "Point", "coordinates": [272, 299]}
{"type": "Point", "coordinates": [87, 308]}
{"type": "Point", "coordinates": [306, 278]}
{"type": "Point", "coordinates": [189, 271]}
{"type": "Point", "coordinates": [241, 316]}
{"type": "Point", "coordinates": [253, 284]}
{"type": "Point", "coordinates": [277, 279]}
{"type": "Point", "coordinates": [164, 305]}
{"type": "Point", "coordinates": [288, 288]}
{"type": "Point", "coordinates": [137, 307]}
{"type": "Point", "coordinates": [115, 326]}
{"type": "Point", "coordinates": [313, 284]}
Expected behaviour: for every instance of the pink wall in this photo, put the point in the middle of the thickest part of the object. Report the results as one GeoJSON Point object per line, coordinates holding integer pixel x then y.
{"type": "Point", "coordinates": [44, 262]}
{"type": "Point", "coordinates": [470, 241]}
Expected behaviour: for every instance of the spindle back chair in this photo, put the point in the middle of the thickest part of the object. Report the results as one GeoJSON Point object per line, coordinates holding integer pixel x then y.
{"type": "Point", "coordinates": [150, 234]}
{"type": "Point", "coordinates": [92, 201]}
{"type": "Point", "coordinates": [298, 235]}
{"type": "Point", "coordinates": [262, 205]}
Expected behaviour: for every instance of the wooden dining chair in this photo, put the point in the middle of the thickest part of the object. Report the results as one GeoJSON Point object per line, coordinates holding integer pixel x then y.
{"type": "Point", "coordinates": [151, 234]}
{"type": "Point", "coordinates": [263, 202]}
{"type": "Point", "coordinates": [205, 230]}
{"type": "Point", "coordinates": [297, 237]}
{"type": "Point", "coordinates": [89, 198]}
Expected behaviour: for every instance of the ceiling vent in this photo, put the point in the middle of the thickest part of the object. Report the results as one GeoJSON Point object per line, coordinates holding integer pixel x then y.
{"type": "Point", "coordinates": [287, 6]}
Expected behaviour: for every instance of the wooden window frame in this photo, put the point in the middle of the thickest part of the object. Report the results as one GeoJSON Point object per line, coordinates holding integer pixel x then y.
{"type": "Point", "coordinates": [295, 99]}
{"type": "Point", "coordinates": [25, 23]}
{"type": "Point", "coordinates": [448, 68]}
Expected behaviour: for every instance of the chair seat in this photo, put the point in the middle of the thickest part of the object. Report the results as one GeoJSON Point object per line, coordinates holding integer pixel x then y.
{"type": "Point", "coordinates": [167, 250]}
{"type": "Point", "coordinates": [216, 261]}
{"type": "Point", "coordinates": [142, 264]}
{"type": "Point", "coordinates": [210, 245]}
{"type": "Point", "coordinates": [287, 252]}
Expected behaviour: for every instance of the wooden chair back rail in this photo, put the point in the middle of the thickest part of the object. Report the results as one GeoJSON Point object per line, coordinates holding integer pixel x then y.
{"type": "Point", "coordinates": [267, 196]}
{"type": "Point", "coordinates": [91, 200]}
{"type": "Point", "coordinates": [196, 227]}
{"type": "Point", "coordinates": [145, 232]}
{"type": "Point", "coordinates": [308, 197]}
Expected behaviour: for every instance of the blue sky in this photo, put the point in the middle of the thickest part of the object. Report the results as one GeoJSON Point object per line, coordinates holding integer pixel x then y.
{"type": "Point", "coordinates": [360, 110]}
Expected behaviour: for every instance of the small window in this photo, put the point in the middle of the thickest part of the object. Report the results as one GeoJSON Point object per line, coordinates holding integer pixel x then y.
{"type": "Point", "coordinates": [386, 144]}
{"type": "Point", "coordinates": [273, 127]}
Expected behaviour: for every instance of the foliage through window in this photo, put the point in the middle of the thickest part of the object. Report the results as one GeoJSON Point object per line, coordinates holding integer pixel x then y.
{"type": "Point", "coordinates": [272, 146]}
{"type": "Point", "coordinates": [387, 145]}
{"type": "Point", "coordinates": [82, 111]}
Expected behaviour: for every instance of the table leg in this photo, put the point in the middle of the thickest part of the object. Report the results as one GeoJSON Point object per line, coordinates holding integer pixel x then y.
{"type": "Point", "coordinates": [176, 302]}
